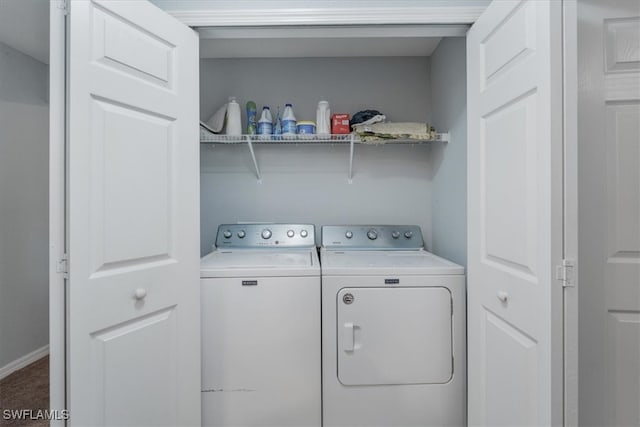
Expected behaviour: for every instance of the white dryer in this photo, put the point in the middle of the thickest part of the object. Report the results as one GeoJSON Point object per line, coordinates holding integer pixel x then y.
{"type": "Point", "coordinates": [393, 330]}
{"type": "Point", "coordinates": [261, 327]}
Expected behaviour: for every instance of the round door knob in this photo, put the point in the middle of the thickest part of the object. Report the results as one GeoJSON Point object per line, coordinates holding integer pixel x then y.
{"type": "Point", "coordinates": [304, 233]}
{"type": "Point", "coordinates": [503, 296]}
{"type": "Point", "coordinates": [241, 234]}
{"type": "Point", "coordinates": [372, 234]}
{"type": "Point", "coordinates": [140, 293]}
{"type": "Point", "coordinates": [395, 234]}
{"type": "Point", "coordinates": [290, 233]}
{"type": "Point", "coordinates": [266, 233]}
{"type": "Point", "coordinates": [348, 234]}
{"type": "Point", "coordinates": [227, 234]}
{"type": "Point", "coordinates": [408, 234]}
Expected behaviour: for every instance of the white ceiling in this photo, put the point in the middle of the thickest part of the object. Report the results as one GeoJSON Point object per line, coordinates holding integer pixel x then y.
{"type": "Point", "coordinates": [317, 47]}
{"type": "Point", "coordinates": [324, 41]}
{"type": "Point", "coordinates": [24, 25]}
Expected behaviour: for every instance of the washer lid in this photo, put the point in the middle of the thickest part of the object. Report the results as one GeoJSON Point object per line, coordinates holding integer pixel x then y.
{"type": "Point", "coordinates": [263, 263]}
{"type": "Point", "coordinates": [386, 262]}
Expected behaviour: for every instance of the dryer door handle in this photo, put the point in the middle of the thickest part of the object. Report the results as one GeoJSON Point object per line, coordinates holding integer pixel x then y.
{"type": "Point", "coordinates": [349, 337]}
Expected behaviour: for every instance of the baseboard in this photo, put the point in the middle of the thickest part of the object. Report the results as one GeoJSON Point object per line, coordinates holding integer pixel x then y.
{"type": "Point", "coordinates": [23, 361]}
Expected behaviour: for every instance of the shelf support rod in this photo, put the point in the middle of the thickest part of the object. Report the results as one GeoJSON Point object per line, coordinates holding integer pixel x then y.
{"type": "Point", "coordinates": [351, 158]}
{"type": "Point", "coordinates": [255, 162]}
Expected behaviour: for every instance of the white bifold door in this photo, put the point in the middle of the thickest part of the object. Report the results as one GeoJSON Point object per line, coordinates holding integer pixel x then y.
{"type": "Point", "coordinates": [133, 311]}
{"type": "Point", "coordinates": [609, 103]}
{"type": "Point", "coordinates": [515, 155]}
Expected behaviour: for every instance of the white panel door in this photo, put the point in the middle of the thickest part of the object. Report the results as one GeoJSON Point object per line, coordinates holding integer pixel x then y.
{"type": "Point", "coordinates": [609, 118]}
{"type": "Point", "coordinates": [133, 321]}
{"type": "Point", "coordinates": [514, 81]}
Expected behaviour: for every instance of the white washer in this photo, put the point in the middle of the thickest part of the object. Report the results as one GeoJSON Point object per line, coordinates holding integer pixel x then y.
{"type": "Point", "coordinates": [261, 327]}
{"type": "Point", "coordinates": [393, 330]}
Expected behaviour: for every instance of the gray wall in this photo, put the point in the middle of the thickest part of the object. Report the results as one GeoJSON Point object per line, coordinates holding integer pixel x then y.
{"type": "Point", "coordinates": [449, 161]}
{"type": "Point", "coordinates": [24, 309]}
{"type": "Point", "coordinates": [309, 183]}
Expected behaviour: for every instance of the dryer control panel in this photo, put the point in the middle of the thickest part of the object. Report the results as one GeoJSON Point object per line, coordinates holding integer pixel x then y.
{"type": "Point", "coordinates": [266, 236]}
{"type": "Point", "coordinates": [372, 237]}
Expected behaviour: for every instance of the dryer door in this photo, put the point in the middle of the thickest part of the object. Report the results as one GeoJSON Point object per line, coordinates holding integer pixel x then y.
{"type": "Point", "coordinates": [394, 336]}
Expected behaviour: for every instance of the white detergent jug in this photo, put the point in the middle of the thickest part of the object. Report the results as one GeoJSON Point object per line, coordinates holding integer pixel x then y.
{"type": "Point", "coordinates": [234, 121]}
{"type": "Point", "coordinates": [323, 119]}
{"type": "Point", "coordinates": [288, 121]}
{"type": "Point", "coordinates": [265, 124]}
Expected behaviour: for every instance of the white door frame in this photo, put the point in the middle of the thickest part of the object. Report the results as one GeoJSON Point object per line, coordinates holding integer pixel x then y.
{"type": "Point", "coordinates": [570, 214]}
{"type": "Point", "coordinates": [57, 229]}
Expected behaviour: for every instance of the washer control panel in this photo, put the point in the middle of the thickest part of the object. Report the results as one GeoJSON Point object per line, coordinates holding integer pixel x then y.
{"type": "Point", "coordinates": [266, 235]}
{"type": "Point", "coordinates": [372, 237]}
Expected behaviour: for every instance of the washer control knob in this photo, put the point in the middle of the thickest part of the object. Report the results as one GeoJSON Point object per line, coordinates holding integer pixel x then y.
{"type": "Point", "coordinates": [395, 234]}
{"type": "Point", "coordinates": [227, 234]}
{"type": "Point", "coordinates": [266, 233]}
{"type": "Point", "coordinates": [304, 233]}
{"type": "Point", "coordinates": [242, 234]}
{"type": "Point", "coordinates": [290, 233]}
{"type": "Point", "coordinates": [408, 234]}
{"type": "Point", "coordinates": [372, 234]}
{"type": "Point", "coordinates": [348, 234]}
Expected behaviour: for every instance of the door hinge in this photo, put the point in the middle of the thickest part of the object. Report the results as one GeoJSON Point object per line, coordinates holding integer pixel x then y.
{"type": "Point", "coordinates": [63, 266]}
{"type": "Point", "coordinates": [64, 6]}
{"type": "Point", "coordinates": [565, 273]}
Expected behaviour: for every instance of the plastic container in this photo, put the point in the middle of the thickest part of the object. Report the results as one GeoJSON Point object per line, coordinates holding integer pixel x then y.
{"type": "Point", "coordinates": [277, 127]}
{"type": "Point", "coordinates": [323, 119]}
{"type": "Point", "coordinates": [234, 120]}
{"type": "Point", "coordinates": [306, 129]}
{"type": "Point", "coordinates": [288, 121]}
{"type": "Point", "coordinates": [265, 124]}
{"type": "Point", "coordinates": [251, 118]}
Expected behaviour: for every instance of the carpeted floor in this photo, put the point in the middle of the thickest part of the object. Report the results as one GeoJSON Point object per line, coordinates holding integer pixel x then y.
{"type": "Point", "coordinates": [27, 388]}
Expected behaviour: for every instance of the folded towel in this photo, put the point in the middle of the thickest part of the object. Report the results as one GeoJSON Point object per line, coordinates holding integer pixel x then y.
{"type": "Point", "coordinates": [389, 131]}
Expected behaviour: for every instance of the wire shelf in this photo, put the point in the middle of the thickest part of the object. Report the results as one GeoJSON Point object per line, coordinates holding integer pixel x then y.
{"type": "Point", "coordinates": [210, 138]}
{"type": "Point", "coordinates": [349, 140]}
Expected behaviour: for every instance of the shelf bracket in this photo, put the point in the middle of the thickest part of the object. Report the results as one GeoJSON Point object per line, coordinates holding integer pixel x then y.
{"type": "Point", "coordinates": [255, 162]}
{"type": "Point", "coordinates": [352, 144]}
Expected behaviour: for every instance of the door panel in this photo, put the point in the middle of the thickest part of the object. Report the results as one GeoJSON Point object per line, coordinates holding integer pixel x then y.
{"type": "Point", "coordinates": [133, 322]}
{"type": "Point", "coordinates": [126, 201]}
{"type": "Point", "coordinates": [120, 355]}
{"type": "Point", "coordinates": [511, 381]}
{"type": "Point", "coordinates": [515, 214]}
{"type": "Point", "coordinates": [623, 367]}
{"type": "Point", "coordinates": [412, 346]}
{"type": "Point", "coordinates": [609, 176]}
{"type": "Point", "coordinates": [508, 147]}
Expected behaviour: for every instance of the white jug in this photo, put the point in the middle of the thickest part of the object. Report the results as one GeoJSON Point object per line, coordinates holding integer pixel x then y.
{"type": "Point", "coordinates": [323, 119]}
{"type": "Point", "coordinates": [234, 122]}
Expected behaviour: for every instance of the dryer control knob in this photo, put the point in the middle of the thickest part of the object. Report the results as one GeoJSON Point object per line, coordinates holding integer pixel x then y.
{"type": "Point", "coordinates": [348, 234]}
{"type": "Point", "coordinates": [227, 234]}
{"type": "Point", "coordinates": [290, 233]}
{"type": "Point", "coordinates": [395, 234]}
{"type": "Point", "coordinates": [304, 233]}
{"type": "Point", "coordinates": [266, 233]}
{"type": "Point", "coordinates": [372, 234]}
{"type": "Point", "coordinates": [408, 234]}
{"type": "Point", "coordinates": [241, 234]}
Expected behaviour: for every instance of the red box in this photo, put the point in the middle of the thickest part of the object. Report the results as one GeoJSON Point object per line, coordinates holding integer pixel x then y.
{"type": "Point", "coordinates": [340, 124]}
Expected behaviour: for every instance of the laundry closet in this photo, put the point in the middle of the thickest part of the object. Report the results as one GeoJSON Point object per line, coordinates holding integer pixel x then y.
{"type": "Point", "coordinates": [135, 77]}
{"type": "Point", "coordinates": [409, 73]}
